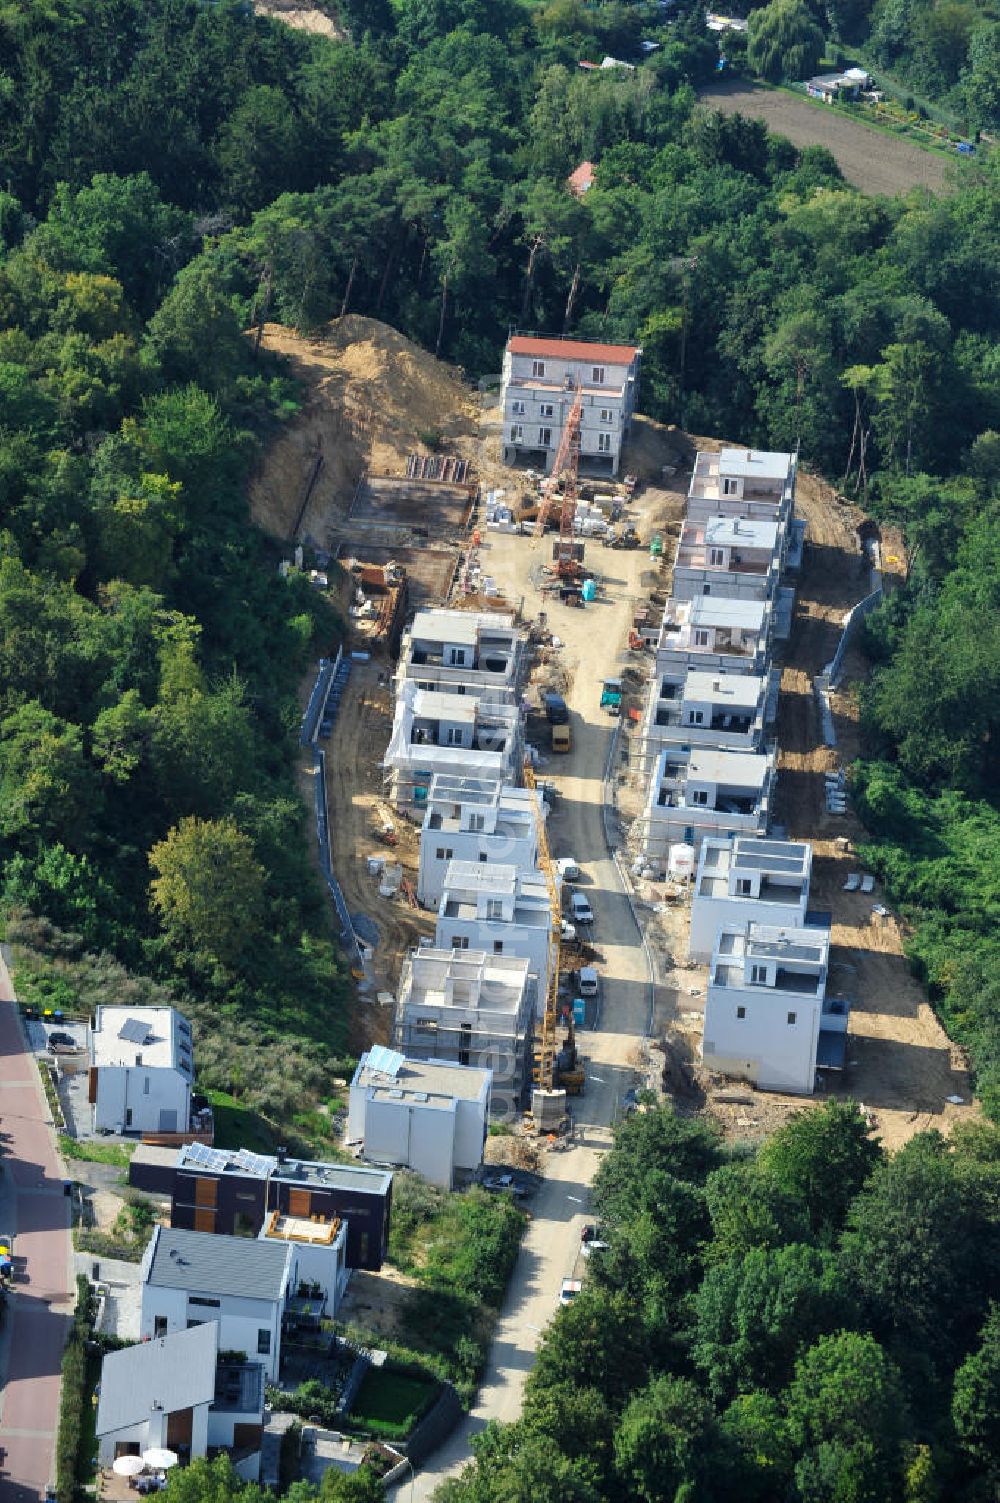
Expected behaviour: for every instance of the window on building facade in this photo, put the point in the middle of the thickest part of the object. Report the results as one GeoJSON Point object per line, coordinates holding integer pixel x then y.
{"type": "Point", "coordinates": [699, 796]}
{"type": "Point", "coordinates": [792, 1016]}
{"type": "Point", "coordinates": [159, 1325]}
{"type": "Point", "coordinates": [443, 853]}
{"type": "Point", "coordinates": [604, 443]}
{"type": "Point", "coordinates": [701, 638]}
{"type": "Point", "coordinates": [517, 408]}
{"type": "Point", "coordinates": [460, 942]}
{"type": "Point", "coordinates": [547, 409]}
{"type": "Point", "coordinates": [263, 1342]}
{"type": "Point", "coordinates": [454, 736]}
{"type": "Point", "coordinates": [730, 487]}
{"type": "Point", "coordinates": [758, 974]}
{"type": "Point", "coordinates": [741, 1012]}
{"type": "Point", "coordinates": [716, 557]}
{"type": "Point", "coordinates": [477, 821]}
{"type": "Point", "coordinates": [545, 437]}
{"type": "Point", "coordinates": [494, 908]}
{"type": "Point", "coordinates": [516, 433]}
{"type": "Point", "coordinates": [744, 887]}
{"type": "Point", "coordinates": [597, 375]}
{"type": "Point", "coordinates": [498, 947]}
{"type": "Point", "coordinates": [607, 416]}
{"type": "Point", "coordinates": [696, 717]}
{"type": "Point", "coordinates": [538, 368]}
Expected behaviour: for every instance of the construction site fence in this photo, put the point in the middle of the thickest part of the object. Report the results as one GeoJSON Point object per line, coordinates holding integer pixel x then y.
{"type": "Point", "coordinates": [330, 673]}
{"type": "Point", "coordinates": [851, 628]}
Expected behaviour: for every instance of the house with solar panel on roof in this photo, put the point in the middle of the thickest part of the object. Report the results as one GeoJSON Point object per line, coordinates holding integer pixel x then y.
{"type": "Point", "coordinates": [141, 1070]}
{"type": "Point", "coordinates": [541, 380]}
{"type": "Point", "coordinates": [430, 1115]}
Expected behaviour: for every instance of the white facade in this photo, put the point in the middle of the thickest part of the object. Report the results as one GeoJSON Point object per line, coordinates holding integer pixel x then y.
{"type": "Point", "coordinates": [541, 379]}
{"type": "Point", "coordinates": [173, 1391]}
{"type": "Point", "coordinates": [714, 635]}
{"type": "Point", "coordinates": [452, 652]}
{"type": "Point", "coordinates": [192, 1277]}
{"type": "Point", "coordinates": [480, 820]}
{"type": "Point", "coordinates": [470, 1008]}
{"type": "Point", "coordinates": [728, 711]}
{"type": "Point", "coordinates": [765, 1009]}
{"type": "Point", "coordinates": [728, 556]}
{"type": "Point", "coordinates": [502, 911]}
{"type": "Point", "coordinates": [748, 880]}
{"type": "Point", "coordinates": [705, 793]}
{"type": "Point", "coordinates": [753, 483]}
{"type": "Point", "coordinates": [471, 735]}
{"type": "Point", "coordinates": [141, 1070]}
{"type": "Point", "coordinates": [426, 1115]}
{"type": "Point", "coordinates": [320, 1253]}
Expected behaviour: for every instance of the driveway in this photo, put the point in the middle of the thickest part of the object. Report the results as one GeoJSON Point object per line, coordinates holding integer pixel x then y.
{"type": "Point", "coordinates": [594, 641]}
{"type": "Point", "coordinates": [39, 1312]}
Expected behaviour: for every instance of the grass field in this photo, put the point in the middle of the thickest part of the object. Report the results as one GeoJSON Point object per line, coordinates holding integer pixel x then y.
{"type": "Point", "coordinates": [390, 1400]}
{"type": "Point", "coordinates": [874, 160]}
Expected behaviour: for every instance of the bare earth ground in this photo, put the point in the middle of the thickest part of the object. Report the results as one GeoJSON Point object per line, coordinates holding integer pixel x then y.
{"type": "Point", "coordinates": [870, 159]}
{"type": "Point", "coordinates": [300, 17]}
{"type": "Point", "coordinates": [369, 395]}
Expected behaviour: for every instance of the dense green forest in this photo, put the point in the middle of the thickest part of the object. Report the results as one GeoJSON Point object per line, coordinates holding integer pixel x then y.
{"type": "Point", "coordinates": [810, 1323]}
{"type": "Point", "coordinates": [175, 171]}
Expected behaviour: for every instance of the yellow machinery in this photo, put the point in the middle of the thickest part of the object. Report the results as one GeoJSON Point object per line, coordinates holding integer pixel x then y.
{"type": "Point", "coordinates": [544, 1070]}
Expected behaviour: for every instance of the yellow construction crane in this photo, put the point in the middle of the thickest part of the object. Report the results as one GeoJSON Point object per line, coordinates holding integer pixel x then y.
{"type": "Point", "coordinates": [543, 1074]}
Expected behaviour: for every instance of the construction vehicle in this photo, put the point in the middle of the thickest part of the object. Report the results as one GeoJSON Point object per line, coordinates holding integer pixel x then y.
{"type": "Point", "coordinates": [546, 1074]}
{"type": "Point", "coordinates": [611, 696]}
{"type": "Point", "coordinates": [623, 537]}
{"type": "Point", "coordinates": [565, 472]}
{"type": "Point", "coordinates": [561, 739]}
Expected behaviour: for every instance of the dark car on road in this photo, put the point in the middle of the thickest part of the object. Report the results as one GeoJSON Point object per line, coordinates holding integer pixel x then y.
{"type": "Point", "coordinates": [556, 711]}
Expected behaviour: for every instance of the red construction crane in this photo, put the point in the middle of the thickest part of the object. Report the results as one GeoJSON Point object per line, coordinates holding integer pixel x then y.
{"type": "Point", "coordinates": [564, 471]}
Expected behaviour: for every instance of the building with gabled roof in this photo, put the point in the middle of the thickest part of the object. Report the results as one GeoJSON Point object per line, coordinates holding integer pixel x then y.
{"type": "Point", "coordinates": [541, 380]}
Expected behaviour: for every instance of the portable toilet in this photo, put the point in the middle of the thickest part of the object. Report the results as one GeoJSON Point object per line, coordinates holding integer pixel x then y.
{"type": "Point", "coordinates": [589, 590]}
{"type": "Point", "coordinates": [579, 1011]}
{"type": "Point", "coordinates": [656, 547]}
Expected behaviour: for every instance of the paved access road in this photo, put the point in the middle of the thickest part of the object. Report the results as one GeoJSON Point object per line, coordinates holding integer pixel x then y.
{"type": "Point", "coordinates": [594, 640]}
{"type": "Point", "coordinates": [33, 1206]}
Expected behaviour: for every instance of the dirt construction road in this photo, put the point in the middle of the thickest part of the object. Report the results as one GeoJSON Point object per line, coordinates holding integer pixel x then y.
{"type": "Point", "coordinates": [593, 639]}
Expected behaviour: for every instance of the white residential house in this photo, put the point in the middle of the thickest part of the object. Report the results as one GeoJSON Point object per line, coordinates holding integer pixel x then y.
{"type": "Point", "coordinates": [541, 379]}
{"type": "Point", "coordinates": [706, 792]}
{"type": "Point", "coordinates": [425, 1115]}
{"type": "Point", "coordinates": [458, 652]}
{"type": "Point", "coordinates": [141, 1070]}
{"type": "Point", "coordinates": [767, 1017]}
{"type": "Point", "coordinates": [501, 910]}
{"type": "Point", "coordinates": [752, 483]}
{"type": "Point", "coordinates": [469, 735]}
{"type": "Point", "coordinates": [174, 1392]}
{"type": "Point", "coordinates": [713, 635]}
{"type": "Point", "coordinates": [245, 1285]}
{"type": "Point", "coordinates": [746, 880]}
{"type": "Point", "coordinates": [470, 1008]}
{"type": "Point", "coordinates": [482, 820]}
{"type": "Point", "coordinates": [728, 711]}
{"type": "Point", "coordinates": [320, 1254]}
{"type": "Point", "coordinates": [729, 556]}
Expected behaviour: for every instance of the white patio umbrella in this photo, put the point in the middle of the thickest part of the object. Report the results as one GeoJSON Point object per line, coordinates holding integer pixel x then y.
{"type": "Point", "coordinates": [128, 1466]}
{"type": "Point", "coordinates": [160, 1459]}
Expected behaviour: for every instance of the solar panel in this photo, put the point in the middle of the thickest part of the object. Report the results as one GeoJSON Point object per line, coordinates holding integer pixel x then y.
{"type": "Point", "coordinates": [134, 1031]}
{"type": "Point", "coordinates": [254, 1163]}
{"type": "Point", "coordinates": [383, 1061]}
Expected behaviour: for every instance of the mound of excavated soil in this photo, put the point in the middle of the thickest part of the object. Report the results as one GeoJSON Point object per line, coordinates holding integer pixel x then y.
{"type": "Point", "coordinates": [372, 397]}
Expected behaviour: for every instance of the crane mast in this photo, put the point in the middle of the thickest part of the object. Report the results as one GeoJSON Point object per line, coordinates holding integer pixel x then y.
{"type": "Point", "coordinates": [566, 469]}
{"type": "Point", "coordinates": [543, 1072]}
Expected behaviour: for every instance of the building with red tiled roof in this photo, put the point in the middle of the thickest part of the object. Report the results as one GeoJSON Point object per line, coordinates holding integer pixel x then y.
{"type": "Point", "coordinates": [541, 380]}
{"type": "Point", "coordinates": [582, 179]}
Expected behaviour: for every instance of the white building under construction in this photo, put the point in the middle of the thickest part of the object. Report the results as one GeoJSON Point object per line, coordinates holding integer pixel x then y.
{"type": "Point", "coordinates": [471, 1008]}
